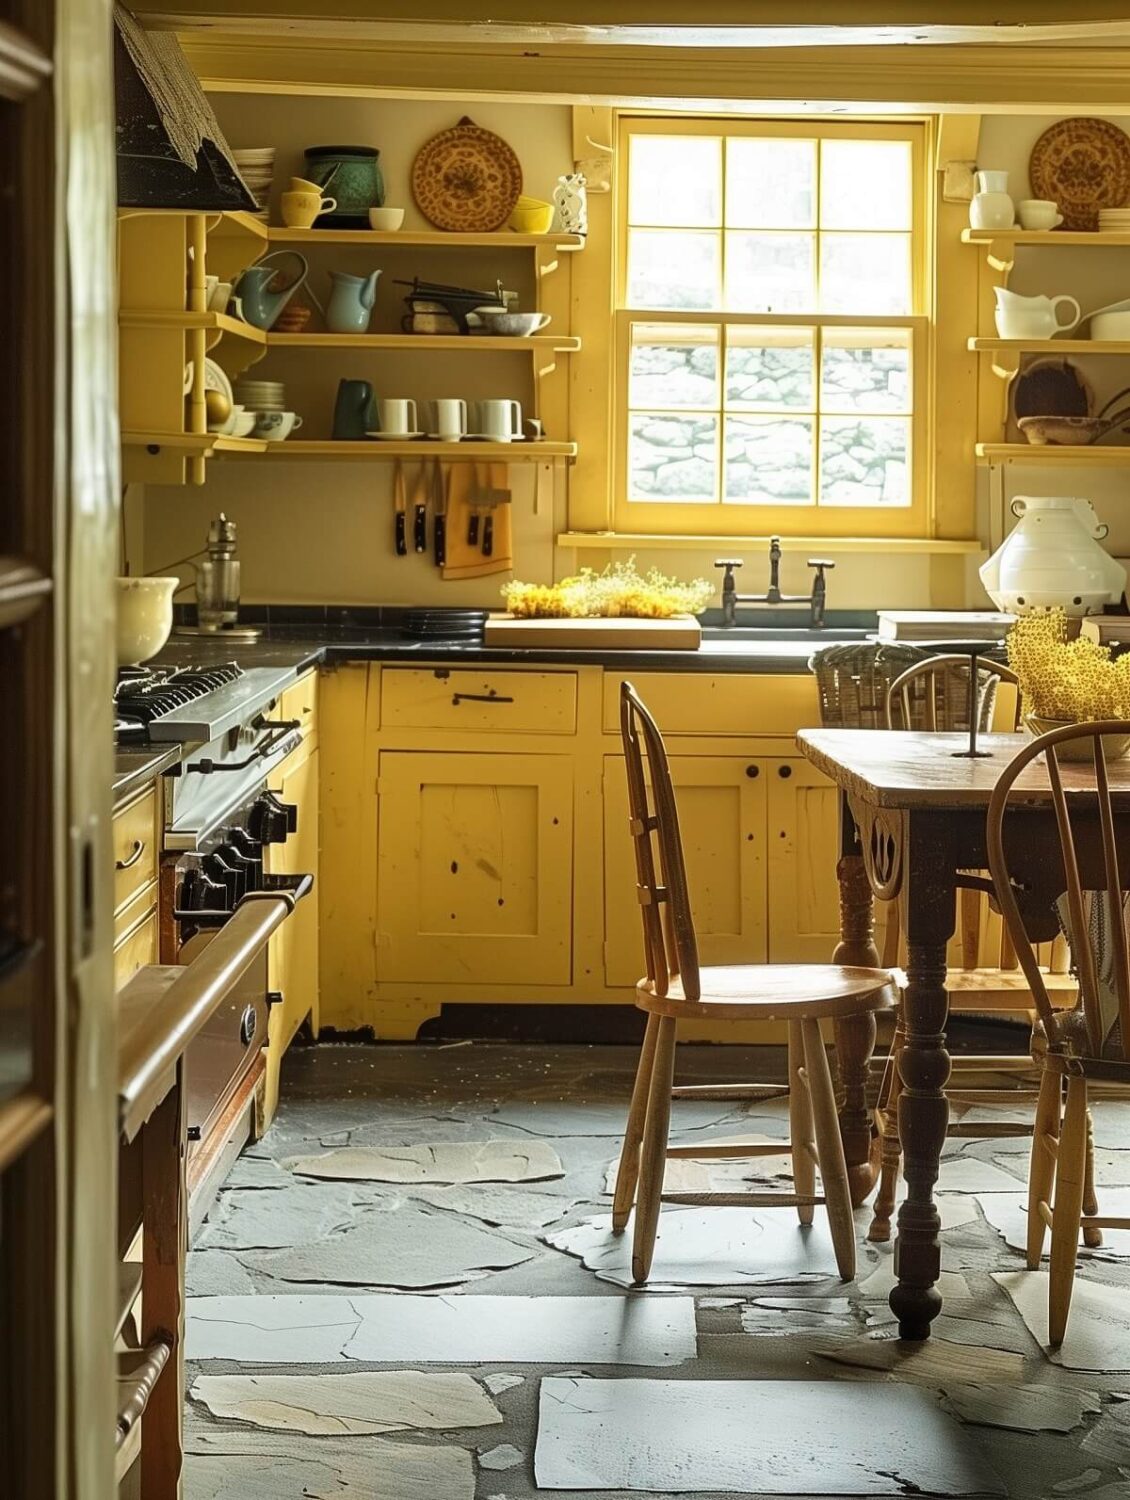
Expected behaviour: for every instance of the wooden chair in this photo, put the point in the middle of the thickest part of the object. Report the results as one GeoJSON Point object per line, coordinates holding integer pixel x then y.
{"type": "Point", "coordinates": [1091, 1041]}
{"type": "Point", "coordinates": [934, 695]}
{"type": "Point", "coordinates": [676, 986]}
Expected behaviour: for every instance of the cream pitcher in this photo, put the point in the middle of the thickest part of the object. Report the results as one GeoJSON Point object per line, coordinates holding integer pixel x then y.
{"type": "Point", "coordinates": [1020, 317]}
{"type": "Point", "coordinates": [991, 208]}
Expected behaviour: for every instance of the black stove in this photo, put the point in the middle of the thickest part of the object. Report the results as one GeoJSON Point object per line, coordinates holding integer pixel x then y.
{"type": "Point", "coordinates": [146, 694]}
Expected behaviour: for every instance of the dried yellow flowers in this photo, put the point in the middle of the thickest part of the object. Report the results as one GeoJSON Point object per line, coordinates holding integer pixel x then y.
{"type": "Point", "coordinates": [1073, 681]}
{"type": "Point", "coordinates": [619, 591]}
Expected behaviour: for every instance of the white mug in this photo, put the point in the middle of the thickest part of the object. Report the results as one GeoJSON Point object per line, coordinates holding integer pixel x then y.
{"type": "Point", "coordinates": [501, 421]}
{"type": "Point", "coordinates": [1039, 213]}
{"type": "Point", "coordinates": [276, 426]}
{"type": "Point", "coordinates": [450, 418]}
{"type": "Point", "coordinates": [393, 416]}
{"type": "Point", "coordinates": [219, 296]}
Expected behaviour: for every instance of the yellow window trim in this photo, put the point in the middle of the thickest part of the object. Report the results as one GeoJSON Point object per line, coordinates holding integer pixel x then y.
{"type": "Point", "coordinates": [690, 519]}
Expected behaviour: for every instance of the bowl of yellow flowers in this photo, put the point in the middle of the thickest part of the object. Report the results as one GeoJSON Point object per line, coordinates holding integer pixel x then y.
{"type": "Point", "coordinates": [1068, 681]}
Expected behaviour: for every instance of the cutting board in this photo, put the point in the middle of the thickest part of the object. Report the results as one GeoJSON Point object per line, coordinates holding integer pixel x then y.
{"type": "Point", "coordinates": [682, 633]}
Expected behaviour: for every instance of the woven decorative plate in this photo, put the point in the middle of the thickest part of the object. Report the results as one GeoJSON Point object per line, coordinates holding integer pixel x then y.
{"type": "Point", "coordinates": [1084, 165]}
{"type": "Point", "coordinates": [466, 179]}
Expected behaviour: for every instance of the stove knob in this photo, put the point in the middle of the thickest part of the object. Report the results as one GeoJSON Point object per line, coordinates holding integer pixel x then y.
{"type": "Point", "coordinates": [227, 879]}
{"type": "Point", "coordinates": [198, 892]}
{"type": "Point", "coordinates": [270, 821]}
{"type": "Point", "coordinates": [248, 870]}
{"type": "Point", "coordinates": [251, 852]}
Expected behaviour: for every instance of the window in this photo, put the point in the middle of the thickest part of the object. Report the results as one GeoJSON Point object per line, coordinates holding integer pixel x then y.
{"type": "Point", "coordinates": [771, 329]}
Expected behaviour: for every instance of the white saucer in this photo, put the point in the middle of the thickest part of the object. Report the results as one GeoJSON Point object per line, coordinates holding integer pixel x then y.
{"type": "Point", "coordinates": [492, 437]}
{"type": "Point", "coordinates": [439, 437]}
{"type": "Point", "coordinates": [395, 437]}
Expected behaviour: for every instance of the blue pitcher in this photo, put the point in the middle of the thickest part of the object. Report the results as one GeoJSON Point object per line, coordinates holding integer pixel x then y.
{"type": "Point", "coordinates": [351, 302]}
{"type": "Point", "coordinates": [260, 298]}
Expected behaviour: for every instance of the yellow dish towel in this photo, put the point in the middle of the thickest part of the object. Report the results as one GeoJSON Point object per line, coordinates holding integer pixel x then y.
{"type": "Point", "coordinates": [465, 559]}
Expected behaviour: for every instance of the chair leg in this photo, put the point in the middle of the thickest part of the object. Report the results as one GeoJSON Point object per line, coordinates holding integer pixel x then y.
{"type": "Point", "coordinates": [800, 1125]}
{"type": "Point", "coordinates": [1092, 1234]}
{"type": "Point", "coordinates": [829, 1149]}
{"type": "Point", "coordinates": [653, 1150]}
{"type": "Point", "coordinates": [1068, 1208]}
{"type": "Point", "coordinates": [888, 1109]}
{"type": "Point", "coordinates": [1041, 1166]}
{"type": "Point", "coordinates": [628, 1171]}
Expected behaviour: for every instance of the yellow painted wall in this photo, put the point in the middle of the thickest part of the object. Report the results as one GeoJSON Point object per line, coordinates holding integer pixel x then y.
{"type": "Point", "coordinates": [323, 533]}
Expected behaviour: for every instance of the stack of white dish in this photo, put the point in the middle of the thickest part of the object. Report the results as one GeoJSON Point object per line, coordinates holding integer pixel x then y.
{"type": "Point", "coordinates": [257, 168]}
{"type": "Point", "coordinates": [1114, 220]}
{"type": "Point", "coordinates": [261, 395]}
{"type": "Point", "coordinates": [1111, 324]}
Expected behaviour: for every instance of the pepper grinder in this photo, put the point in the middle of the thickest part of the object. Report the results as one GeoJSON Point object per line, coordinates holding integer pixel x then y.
{"type": "Point", "coordinates": [217, 587]}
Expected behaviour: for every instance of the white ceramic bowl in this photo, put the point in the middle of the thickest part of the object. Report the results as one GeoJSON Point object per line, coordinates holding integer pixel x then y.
{"type": "Point", "coordinates": [1106, 326]}
{"type": "Point", "coordinates": [145, 617]}
{"type": "Point", "coordinates": [386, 218]}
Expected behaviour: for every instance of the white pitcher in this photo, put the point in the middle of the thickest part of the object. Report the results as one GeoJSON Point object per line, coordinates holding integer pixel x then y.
{"type": "Point", "coordinates": [1020, 317]}
{"type": "Point", "coordinates": [1053, 556]}
{"type": "Point", "coordinates": [991, 208]}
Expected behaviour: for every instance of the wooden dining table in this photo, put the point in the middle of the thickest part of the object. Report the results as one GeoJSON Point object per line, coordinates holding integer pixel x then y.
{"type": "Point", "coordinates": [913, 814]}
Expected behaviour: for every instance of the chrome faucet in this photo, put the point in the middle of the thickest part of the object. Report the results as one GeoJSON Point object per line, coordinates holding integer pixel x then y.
{"type": "Point", "coordinates": [816, 600]}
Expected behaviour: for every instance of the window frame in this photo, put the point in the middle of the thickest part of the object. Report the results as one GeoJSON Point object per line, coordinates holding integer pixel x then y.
{"type": "Point", "coordinates": [721, 518]}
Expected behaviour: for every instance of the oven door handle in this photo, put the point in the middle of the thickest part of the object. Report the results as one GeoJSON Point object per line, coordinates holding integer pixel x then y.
{"type": "Point", "coordinates": [164, 1008]}
{"type": "Point", "coordinates": [276, 732]}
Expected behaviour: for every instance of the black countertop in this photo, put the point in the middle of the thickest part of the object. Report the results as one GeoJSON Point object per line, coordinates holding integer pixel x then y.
{"type": "Point", "coordinates": [133, 768]}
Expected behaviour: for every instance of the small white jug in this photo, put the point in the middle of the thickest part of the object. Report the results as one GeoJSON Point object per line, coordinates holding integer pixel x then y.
{"type": "Point", "coordinates": [991, 207]}
{"type": "Point", "coordinates": [1020, 317]}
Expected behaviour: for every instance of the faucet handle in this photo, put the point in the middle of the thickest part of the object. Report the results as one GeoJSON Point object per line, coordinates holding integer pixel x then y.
{"type": "Point", "coordinates": [821, 563]}
{"type": "Point", "coordinates": [729, 563]}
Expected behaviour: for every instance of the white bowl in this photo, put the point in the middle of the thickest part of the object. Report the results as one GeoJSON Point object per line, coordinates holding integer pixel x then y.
{"type": "Point", "coordinates": [145, 617]}
{"type": "Point", "coordinates": [1106, 326]}
{"type": "Point", "coordinates": [386, 218]}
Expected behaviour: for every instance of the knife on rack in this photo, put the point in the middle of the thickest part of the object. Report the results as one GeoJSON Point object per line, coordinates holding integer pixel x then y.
{"type": "Point", "coordinates": [441, 497]}
{"type": "Point", "coordinates": [420, 517]}
{"type": "Point", "coordinates": [400, 503]}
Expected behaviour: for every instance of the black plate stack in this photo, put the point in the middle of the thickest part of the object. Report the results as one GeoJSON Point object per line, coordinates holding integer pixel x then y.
{"type": "Point", "coordinates": [444, 624]}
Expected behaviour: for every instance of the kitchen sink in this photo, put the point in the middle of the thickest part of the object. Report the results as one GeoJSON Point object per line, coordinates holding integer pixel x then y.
{"type": "Point", "coordinates": [770, 634]}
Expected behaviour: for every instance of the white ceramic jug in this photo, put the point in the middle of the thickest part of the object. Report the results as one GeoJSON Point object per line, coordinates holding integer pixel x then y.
{"type": "Point", "coordinates": [991, 208]}
{"type": "Point", "coordinates": [1053, 557]}
{"type": "Point", "coordinates": [1020, 317]}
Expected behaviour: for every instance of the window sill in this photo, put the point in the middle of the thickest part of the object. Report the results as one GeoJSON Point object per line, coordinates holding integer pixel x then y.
{"type": "Point", "coordinates": [646, 542]}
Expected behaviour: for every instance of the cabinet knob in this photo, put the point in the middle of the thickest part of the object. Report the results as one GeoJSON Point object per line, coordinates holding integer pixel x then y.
{"type": "Point", "coordinates": [753, 772]}
{"type": "Point", "coordinates": [784, 772]}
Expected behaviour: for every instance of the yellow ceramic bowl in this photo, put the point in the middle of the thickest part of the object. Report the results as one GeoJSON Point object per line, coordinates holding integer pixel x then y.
{"type": "Point", "coordinates": [1115, 746]}
{"type": "Point", "coordinates": [529, 216]}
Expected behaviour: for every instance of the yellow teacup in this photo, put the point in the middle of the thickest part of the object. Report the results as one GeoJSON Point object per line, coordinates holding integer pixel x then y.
{"type": "Point", "coordinates": [304, 185]}
{"type": "Point", "coordinates": [299, 210]}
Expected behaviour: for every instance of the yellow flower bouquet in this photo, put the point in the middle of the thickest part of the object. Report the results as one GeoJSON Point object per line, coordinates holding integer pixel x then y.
{"type": "Point", "coordinates": [619, 591]}
{"type": "Point", "coordinates": [1066, 681]}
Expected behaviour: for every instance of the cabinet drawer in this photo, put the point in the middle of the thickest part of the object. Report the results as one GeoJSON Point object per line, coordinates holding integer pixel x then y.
{"type": "Point", "coordinates": [134, 839]}
{"type": "Point", "coordinates": [136, 949]}
{"type": "Point", "coordinates": [300, 701]}
{"type": "Point", "coordinates": [520, 702]}
{"type": "Point", "coordinates": [719, 702]}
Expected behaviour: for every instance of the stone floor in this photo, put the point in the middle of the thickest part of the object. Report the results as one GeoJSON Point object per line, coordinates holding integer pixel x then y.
{"type": "Point", "coordinates": [407, 1291]}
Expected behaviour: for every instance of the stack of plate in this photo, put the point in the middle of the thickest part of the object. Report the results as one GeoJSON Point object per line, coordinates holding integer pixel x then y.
{"type": "Point", "coordinates": [257, 168]}
{"type": "Point", "coordinates": [261, 395]}
{"type": "Point", "coordinates": [1114, 220]}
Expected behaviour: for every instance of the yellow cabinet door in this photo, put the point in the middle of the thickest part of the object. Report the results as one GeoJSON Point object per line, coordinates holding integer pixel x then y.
{"type": "Point", "coordinates": [722, 818]}
{"type": "Point", "coordinates": [292, 953]}
{"type": "Point", "coordinates": [804, 842]}
{"type": "Point", "coordinates": [475, 868]}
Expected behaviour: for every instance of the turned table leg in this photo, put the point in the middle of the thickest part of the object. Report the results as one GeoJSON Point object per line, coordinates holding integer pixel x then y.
{"type": "Point", "coordinates": [855, 1036]}
{"type": "Point", "coordinates": [924, 1067]}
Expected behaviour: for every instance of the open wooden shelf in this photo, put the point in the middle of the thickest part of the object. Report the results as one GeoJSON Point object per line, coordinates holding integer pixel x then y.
{"type": "Point", "coordinates": [1048, 237]}
{"type": "Point", "coordinates": [376, 452]}
{"type": "Point", "coordinates": [415, 239]}
{"type": "Point", "coordinates": [1051, 346]}
{"type": "Point", "coordinates": [1063, 455]}
{"type": "Point", "coordinates": [468, 343]}
{"type": "Point", "coordinates": [194, 442]}
{"type": "Point", "coordinates": [213, 322]}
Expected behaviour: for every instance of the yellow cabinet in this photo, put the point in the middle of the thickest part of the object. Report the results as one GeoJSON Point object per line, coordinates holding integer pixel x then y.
{"type": "Point", "coordinates": [803, 847]}
{"type": "Point", "coordinates": [292, 954]}
{"type": "Point", "coordinates": [722, 801]}
{"type": "Point", "coordinates": [475, 868]}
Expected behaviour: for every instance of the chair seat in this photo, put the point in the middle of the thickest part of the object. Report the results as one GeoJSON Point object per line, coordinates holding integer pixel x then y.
{"type": "Point", "coordinates": [791, 992]}
{"type": "Point", "coordinates": [1005, 990]}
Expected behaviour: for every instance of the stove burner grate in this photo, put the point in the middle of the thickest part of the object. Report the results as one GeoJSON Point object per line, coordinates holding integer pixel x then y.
{"type": "Point", "coordinates": [143, 696]}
